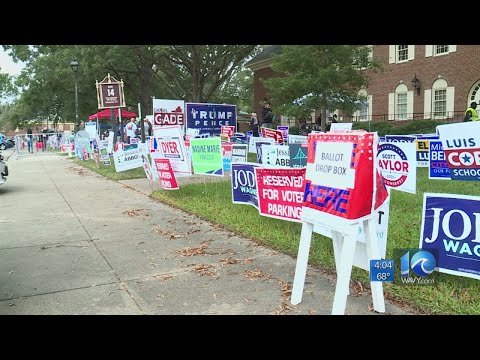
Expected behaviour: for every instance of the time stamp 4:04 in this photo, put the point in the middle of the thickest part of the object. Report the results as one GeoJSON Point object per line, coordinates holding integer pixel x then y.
{"type": "Point", "coordinates": [381, 270]}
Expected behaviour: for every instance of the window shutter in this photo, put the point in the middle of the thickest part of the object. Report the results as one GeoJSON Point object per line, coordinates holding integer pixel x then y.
{"type": "Point", "coordinates": [427, 104]}
{"type": "Point", "coordinates": [450, 101]}
{"type": "Point", "coordinates": [370, 107]}
{"type": "Point", "coordinates": [452, 48]}
{"type": "Point", "coordinates": [411, 52]}
{"type": "Point", "coordinates": [428, 50]}
{"type": "Point", "coordinates": [409, 105]}
{"type": "Point", "coordinates": [391, 106]}
{"type": "Point", "coordinates": [391, 54]}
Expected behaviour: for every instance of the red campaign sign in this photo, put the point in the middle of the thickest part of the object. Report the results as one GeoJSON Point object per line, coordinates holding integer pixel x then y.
{"type": "Point", "coordinates": [280, 192]}
{"type": "Point", "coordinates": [227, 150]}
{"type": "Point", "coordinates": [227, 130]}
{"type": "Point", "coordinates": [169, 118]}
{"type": "Point", "coordinates": [341, 178]}
{"type": "Point", "coordinates": [274, 134]}
{"type": "Point", "coordinates": [165, 174]}
{"type": "Point", "coordinates": [65, 147]}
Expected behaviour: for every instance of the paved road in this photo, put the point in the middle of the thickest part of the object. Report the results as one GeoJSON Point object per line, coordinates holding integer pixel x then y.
{"type": "Point", "coordinates": [72, 242]}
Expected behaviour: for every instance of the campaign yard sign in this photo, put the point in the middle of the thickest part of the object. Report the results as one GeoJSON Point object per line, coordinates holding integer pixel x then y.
{"type": "Point", "coordinates": [209, 118]}
{"type": "Point", "coordinates": [239, 153]}
{"type": "Point", "coordinates": [342, 184]}
{"type": "Point", "coordinates": [147, 168]}
{"type": "Point", "coordinates": [227, 155]}
{"type": "Point", "coordinates": [438, 166]}
{"type": "Point", "coordinates": [340, 126]}
{"type": "Point", "coordinates": [252, 148]}
{"type": "Point", "coordinates": [170, 142]}
{"type": "Point", "coordinates": [297, 139]}
{"type": "Point", "coordinates": [398, 165]}
{"type": "Point", "coordinates": [127, 159]}
{"type": "Point", "coordinates": [276, 135]}
{"type": "Point", "coordinates": [284, 130]}
{"type": "Point", "coordinates": [451, 228]}
{"type": "Point", "coordinates": [280, 192]}
{"type": "Point", "coordinates": [168, 112]}
{"type": "Point", "coordinates": [422, 152]}
{"type": "Point", "coordinates": [400, 138]}
{"type": "Point", "coordinates": [207, 156]}
{"type": "Point", "coordinates": [244, 184]}
{"type": "Point", "coordinates": [165, 174]}
{"type": "Point", "coordinates": [227, 131]}
{"type": "Point", "coordinates": [298, 155]}
{"type": "Point", "coordinates": [259, 145]}
{"type": "Point", "coordinates": [275, 156]}
{"type": "Point", "coordinates": [461, 143]}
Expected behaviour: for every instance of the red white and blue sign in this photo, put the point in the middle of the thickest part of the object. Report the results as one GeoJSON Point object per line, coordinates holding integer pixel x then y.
{"type": "Point", "coordinates": [450, 225]}
{"type": "Point", "coordinates": [438, 166]}
{"type": "Point", "coordinates": [342, 181]}
{"type": "Point", "coordinates": [461, 143]}
{"type": "Point", "coordinates": [397, 162]}
{"type": "Point", "coordinates": [209, 118]}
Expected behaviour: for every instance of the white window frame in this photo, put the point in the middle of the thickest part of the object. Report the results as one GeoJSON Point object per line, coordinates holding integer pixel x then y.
{"type": "Point", "coordinates": [400, 115]}
{"type": "Point", "coordinates": [435, 101]}
{"type": "Point", "coordinates": [436, 47]}
{"type": "Point", "coordinates": [431, 50]}
{"type": "Point", "coordinates": [397, 53]}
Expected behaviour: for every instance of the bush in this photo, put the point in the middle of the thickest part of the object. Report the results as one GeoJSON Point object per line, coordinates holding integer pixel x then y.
{"type": "Point", "coordinates": [405, 128]}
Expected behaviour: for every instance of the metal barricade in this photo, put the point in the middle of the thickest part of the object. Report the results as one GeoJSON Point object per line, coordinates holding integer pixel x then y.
{"type": "Point", "coordinates": [42, 143]}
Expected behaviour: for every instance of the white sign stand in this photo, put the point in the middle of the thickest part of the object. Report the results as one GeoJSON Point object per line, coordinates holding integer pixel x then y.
{"type": "Point", "coordinates": [344, 250]}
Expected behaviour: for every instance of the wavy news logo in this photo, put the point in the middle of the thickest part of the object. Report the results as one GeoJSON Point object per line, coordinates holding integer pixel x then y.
{"type": "Point", "coordinates": [416, 266]}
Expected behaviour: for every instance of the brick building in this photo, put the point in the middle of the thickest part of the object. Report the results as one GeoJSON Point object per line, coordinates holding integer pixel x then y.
{"type": "Point", "coordinates": [447, 81]}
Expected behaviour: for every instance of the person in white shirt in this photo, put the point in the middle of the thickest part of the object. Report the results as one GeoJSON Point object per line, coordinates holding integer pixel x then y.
{"type": "Point", "coordinates": [131, 127]}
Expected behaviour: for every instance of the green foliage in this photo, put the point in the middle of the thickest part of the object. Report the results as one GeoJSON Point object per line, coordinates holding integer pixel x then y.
{"type": "Point", "coordinates": [189, 72]}
{"type": "Point", "coordinates": [452, 295]}
{"type": "Point", "coordinates": [318, 77]}
{"type": "Point", "coordinates": [405, 128]}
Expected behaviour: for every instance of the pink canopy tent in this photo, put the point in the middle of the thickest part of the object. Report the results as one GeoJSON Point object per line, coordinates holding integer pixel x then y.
{"type": "Point", "coordinates": [105, 114]}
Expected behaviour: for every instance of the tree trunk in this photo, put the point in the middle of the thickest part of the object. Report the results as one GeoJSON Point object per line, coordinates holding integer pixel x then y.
{"type": "Point", "coordinates": [324, 120]}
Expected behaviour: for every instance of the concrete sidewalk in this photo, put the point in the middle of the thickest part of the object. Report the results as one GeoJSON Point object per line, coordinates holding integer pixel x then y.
{"type": "Point", "coordinates": [72, 242]}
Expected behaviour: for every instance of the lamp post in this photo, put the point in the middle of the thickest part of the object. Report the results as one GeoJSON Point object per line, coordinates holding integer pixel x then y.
{"type": "Point", "coordinates": [74, 65]}
{"type": "Point", "coordinates": [416, 84]}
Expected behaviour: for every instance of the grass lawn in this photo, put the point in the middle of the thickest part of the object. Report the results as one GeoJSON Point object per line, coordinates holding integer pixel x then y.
{"type": "Point", "coordinates": [451, 295]}
{"type": "Point", "coordinates": [109, 170]}
{"type": "Point", "coordinates": [213, 202]}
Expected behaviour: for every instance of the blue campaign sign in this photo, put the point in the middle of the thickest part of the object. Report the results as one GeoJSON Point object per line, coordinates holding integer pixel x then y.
{"type": "Point", "coordinates": [244, 184]}
{"type": "Point", "coordinates": [209, 118]}
{"type": "Point", "coordinates": [438, 163]}
{"type": "Point", "coordinates": [449, 226]}
{"type": "Point", "coordinates": [298, 155]}
{"type": "Point", "coordinates": [400, 138]}
{"type": "Point", "coordinates": [258, 145]}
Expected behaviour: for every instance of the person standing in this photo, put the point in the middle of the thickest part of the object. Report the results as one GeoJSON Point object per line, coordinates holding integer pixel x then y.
{"type": "Point", "coordinates": [471, 113]}
{"type": "Point", "coordinates": [131, 128]}
{"type": "Point", "coordinates": [267, 116]}
{"type": "Point", "coordinates": [30, 140]}
{"type": "Point", "coordinates": [254, 124]}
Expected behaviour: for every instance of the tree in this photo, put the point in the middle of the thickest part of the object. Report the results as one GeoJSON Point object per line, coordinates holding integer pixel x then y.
{"type": "Point", "coordinates": [319, 77]}
{"type": "Point", "coordinates": [192, 73]}
{"type": "Point", "coordinates": [195, 72]}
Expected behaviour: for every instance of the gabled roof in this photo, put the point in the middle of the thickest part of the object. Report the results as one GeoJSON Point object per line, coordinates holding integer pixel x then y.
{"type": "Point", "coordinates": [264, 57]}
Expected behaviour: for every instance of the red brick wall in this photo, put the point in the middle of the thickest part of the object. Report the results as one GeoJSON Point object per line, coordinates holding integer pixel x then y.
{"type": "Point", "coordinates": [460, 69]}
{"type": "Point", "coordinates": [259, 90]}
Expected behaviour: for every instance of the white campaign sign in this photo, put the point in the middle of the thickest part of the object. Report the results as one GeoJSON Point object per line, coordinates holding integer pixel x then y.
{"type": "Point", "coordinates": [398, 163]}
{"type": "Point", "coordinates": [341, 126]}
{"type": "Point", "coordinates": [252, 148]}
{"type": "Point", "coordinates": [128, 159]}
{"type": "Point", "coordinates": [275, 156]}
{"type": "Point", "coordinates": [297, 139]}
{"type": "Point", "coordinates": [332, 165]}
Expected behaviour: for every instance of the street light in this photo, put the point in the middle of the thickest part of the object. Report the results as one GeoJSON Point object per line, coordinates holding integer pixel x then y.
{"type": "Point", "coordinates": [74, 65]}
